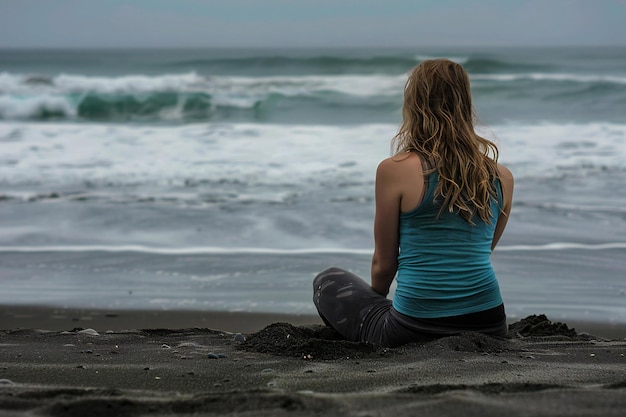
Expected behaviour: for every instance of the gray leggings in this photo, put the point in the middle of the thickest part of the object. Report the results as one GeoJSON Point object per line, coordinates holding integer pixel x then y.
{"type": "Point", "coordinates": [349, 305]}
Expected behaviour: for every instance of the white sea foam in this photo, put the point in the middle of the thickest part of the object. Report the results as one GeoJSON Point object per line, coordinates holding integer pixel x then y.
{"type": "Point", "coordinates": [127, 84]}
{"type": "Point", "coordinates": [355, 85]}
{"type": "Point", "coordinates": [560, 246]}
{"type": "Point", "coordinates": [549, 150]}
{"type": "Point", "coordinates": [245, 153]}
{"type": "Point", "coordinates": [273, 155]}
{"type": "Point", "coordinates": [358, 85]}
{"type": "Point", "coordinates": [210, 250]}
{"type": "Point", "coordinates": [537, 76]}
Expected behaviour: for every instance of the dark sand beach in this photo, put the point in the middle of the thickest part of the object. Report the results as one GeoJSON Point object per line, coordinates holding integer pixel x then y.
{"type": "Point", "coordinates": [57, 362]}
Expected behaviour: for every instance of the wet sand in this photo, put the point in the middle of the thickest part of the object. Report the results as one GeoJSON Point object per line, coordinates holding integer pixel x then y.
{"type": "Point", "coordinates": [131, 363]}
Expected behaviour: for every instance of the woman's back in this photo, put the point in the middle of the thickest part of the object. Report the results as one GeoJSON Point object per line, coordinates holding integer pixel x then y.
{"type": "Point", "coordinates": [443, 265]}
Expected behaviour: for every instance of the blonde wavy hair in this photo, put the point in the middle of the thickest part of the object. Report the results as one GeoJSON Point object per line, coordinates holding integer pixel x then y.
{"type": "Point", "coordinates": [438, 124]}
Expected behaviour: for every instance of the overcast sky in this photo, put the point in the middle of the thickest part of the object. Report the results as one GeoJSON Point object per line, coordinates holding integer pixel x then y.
{"type": "Point", "coordinates": [228, 23]}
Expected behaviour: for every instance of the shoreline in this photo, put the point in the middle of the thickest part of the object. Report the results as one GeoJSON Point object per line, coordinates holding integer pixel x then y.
{"type": "Point", "coordinates": [55, 318]}
{"type": "Point", "coordinates": [60, 318]}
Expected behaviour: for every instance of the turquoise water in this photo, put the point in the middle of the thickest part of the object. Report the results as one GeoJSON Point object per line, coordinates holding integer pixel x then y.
{"type": "Point", "coordinates": [225, 179]}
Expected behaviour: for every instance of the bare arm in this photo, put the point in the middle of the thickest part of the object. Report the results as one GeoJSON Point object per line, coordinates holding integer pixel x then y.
{"type": "Point", "coordinates": [507, 181]}
{"type": "Point", "coordinates": [386, 235]}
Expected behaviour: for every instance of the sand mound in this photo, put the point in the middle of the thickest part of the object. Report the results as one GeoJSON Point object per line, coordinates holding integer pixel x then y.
{"type": "Point", "coordinates": [539, 325]}
{"type": "Point", "coordinates": [310, 342]}
{"type": "Point", "coordinates": [471, 342]}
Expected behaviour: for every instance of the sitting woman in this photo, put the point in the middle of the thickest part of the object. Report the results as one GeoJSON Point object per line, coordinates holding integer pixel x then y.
{"type": "Point", "coordinates": [442, 203]}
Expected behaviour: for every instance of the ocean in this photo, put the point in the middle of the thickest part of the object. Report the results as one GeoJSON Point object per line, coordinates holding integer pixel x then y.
{"type": "Point", "coordinates": [226, 179]}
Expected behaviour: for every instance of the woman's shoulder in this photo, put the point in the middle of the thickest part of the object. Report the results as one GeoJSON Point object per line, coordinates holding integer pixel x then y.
{"type": "Point", "coordinates": [399, 167]}
{"type": "Point", "coordinates": [402, 161]}
{"type": "Point", "coordinates": [505, 173]}
{"type": "Point", "coordinates": [402, 176]}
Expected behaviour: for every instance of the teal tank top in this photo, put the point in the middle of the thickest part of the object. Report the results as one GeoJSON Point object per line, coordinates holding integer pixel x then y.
{"type": "Point", "coordinates": [444, 266]}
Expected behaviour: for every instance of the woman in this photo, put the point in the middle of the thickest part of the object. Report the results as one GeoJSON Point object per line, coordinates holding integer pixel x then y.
{"type": "Point", "coordinates": [442, 203]}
